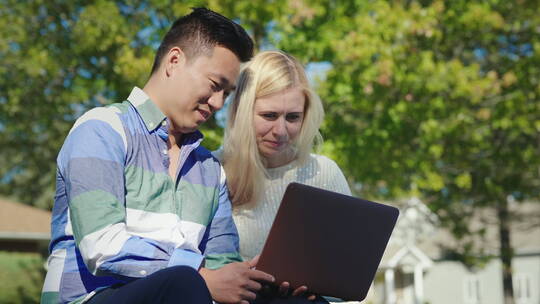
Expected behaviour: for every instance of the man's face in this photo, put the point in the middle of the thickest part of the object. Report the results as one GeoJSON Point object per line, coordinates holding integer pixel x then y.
{"type": "Point", "coordinates": [198, 87]}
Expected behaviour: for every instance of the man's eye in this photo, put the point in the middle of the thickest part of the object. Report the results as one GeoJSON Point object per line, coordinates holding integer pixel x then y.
{"type": "Point", "coordinates": [216, 87]}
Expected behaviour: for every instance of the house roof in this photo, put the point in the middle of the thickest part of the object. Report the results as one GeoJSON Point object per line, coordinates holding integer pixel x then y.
{"type": "Point", "coordinates": [413, 229]}
{"type": "Point", "coordinates": [415, 257]}
{"type": "Point", "coordinates": [18, 221]}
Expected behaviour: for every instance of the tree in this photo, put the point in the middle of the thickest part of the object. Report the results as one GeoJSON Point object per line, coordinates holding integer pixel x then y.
{"type": "Point", "coordinates": [442, 99]}
{"type": "Point", "coordinates": [61, 58]}
{"type": "Point", "coordinates": [441, 96]}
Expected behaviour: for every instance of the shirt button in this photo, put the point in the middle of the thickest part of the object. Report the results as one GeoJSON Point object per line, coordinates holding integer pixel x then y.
{"type": "Point", "coordinates": [164, 123]}
{"type": "Point", "coordinates": [164, 151]}
{"type": "Point", "coordinates": [142, 272]}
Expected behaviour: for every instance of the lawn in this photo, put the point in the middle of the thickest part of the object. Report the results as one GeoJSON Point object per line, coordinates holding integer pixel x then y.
{"type": "Point", "coordinates": [21, 277]}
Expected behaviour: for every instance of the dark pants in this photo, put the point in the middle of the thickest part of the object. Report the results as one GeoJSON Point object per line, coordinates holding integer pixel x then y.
{"type": "Point", "coordinates": [179, 284]}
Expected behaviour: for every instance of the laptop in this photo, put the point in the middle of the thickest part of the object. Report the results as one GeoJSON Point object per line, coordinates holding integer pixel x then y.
{"type": "Point", "coordinates": [330, 242]}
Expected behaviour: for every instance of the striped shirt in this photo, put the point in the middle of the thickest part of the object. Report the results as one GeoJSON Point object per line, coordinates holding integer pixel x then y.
{"type": "Point", "coordinates": [118, 215]}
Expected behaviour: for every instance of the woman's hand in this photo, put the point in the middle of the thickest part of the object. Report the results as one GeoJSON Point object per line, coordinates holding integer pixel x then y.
{"type": "Point", "coordinates": [284, 287]}
{"type": "Point", "coordinates": [300, 291]}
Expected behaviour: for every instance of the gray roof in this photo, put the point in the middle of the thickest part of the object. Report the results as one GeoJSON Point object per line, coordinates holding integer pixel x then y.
{"type": "Point", "coordinates": [418, 227]}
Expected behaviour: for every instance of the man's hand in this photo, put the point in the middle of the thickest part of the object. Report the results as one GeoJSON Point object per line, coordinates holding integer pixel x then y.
{"type": "Point", "coordinates": [235, 282]}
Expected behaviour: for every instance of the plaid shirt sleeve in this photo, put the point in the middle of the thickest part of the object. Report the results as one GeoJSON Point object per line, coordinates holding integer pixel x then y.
{"type": "Point", "coordinates": [92, 165]}
{"type": "Point", "coordinates": [222, 242]}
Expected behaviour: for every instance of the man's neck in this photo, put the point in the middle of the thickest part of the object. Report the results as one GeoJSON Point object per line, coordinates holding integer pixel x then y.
{"type": "Point", "coordinates": [152, 88]}
{"type": "Point", "coordinates": [175, 139]}
{"type": "Point", "coordinates": [174, 146]}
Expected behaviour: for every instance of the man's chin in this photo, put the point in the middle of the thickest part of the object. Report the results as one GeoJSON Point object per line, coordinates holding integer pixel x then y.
{"type": "Point", "coordinates": [186, 129]}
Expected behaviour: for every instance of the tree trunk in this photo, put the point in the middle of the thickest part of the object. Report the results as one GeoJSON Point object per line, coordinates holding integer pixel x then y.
{"type": "Point", "coordinates": [506, 250]}
{"type": "Point", "coordinates": [258, 34]}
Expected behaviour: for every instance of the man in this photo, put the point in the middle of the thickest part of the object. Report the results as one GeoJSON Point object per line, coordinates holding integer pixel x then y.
{"type": "Point", "coordinates": [141, 211]}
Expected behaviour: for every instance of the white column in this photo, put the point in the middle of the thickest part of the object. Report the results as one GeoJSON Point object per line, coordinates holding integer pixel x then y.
{"type": "Point", "coordinates": [418, 285]}
{"type": "Point", "coordinates": [389, 290]}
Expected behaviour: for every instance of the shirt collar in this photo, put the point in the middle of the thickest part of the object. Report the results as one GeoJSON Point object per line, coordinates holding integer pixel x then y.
{"type": "Point", "coordinates": [154, 119]}
{"type": "Point", "coordinates": [147, 109]}
{"type": "Point", "coordinates": [192, 139]}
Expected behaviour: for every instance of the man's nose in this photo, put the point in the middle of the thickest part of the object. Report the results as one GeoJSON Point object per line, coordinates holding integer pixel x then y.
{"type": "Point", "coordinates": [217, 100]}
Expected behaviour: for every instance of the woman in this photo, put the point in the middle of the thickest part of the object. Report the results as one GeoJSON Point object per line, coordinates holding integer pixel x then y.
{"type": "Point", "coordinates": [273, 124]}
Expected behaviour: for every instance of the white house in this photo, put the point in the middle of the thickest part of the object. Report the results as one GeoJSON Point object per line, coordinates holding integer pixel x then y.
{"type": "Point", "coordinates": [414, 269]}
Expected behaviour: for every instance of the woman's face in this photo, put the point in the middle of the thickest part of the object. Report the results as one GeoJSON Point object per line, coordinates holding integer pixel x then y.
{"type": "Point", "coordinates": [277, 121]}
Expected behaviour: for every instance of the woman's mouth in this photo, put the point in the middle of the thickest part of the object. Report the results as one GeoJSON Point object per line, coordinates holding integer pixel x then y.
{"type": "Point", "coordinates": [275, 144]}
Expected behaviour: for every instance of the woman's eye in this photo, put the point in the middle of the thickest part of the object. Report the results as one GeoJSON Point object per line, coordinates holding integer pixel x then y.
{"type": "Point", "coordinates": [269, 115]}
{"type": "Point", "coordinates": [293, 117]}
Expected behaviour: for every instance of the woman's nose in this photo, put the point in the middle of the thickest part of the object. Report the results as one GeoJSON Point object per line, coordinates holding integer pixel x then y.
{"type": "Point", "coordinates": [280, 127]}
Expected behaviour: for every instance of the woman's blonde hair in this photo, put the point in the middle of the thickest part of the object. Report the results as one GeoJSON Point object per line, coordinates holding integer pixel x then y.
{"type": "Point", "coordinates": [267, 73]}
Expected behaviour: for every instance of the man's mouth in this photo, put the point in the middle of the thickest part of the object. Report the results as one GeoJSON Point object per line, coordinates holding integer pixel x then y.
{"type": "Point", "coordinates": [204, 114]}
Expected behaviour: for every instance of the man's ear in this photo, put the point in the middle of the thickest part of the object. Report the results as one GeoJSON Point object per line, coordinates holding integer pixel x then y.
{"type": "Point", "coordinates": [174, 60]}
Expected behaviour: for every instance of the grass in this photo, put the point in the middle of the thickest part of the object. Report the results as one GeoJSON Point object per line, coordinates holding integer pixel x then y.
{"type": "Point", "coordinates": [21, 277]}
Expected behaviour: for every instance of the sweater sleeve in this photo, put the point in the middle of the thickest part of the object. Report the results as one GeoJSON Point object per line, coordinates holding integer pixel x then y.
{"type": "Point", "coordinates": [335, 179]}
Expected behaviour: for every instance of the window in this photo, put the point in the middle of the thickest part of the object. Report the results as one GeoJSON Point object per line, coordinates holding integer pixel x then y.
{"type": "Point", "coordinates": [522, 288]}
{"type": "Point", "coordinates": [471, 290]}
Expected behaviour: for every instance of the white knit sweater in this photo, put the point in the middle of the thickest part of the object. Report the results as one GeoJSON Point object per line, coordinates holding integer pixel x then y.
{"type": "Point", "coordinates": [254, 220]}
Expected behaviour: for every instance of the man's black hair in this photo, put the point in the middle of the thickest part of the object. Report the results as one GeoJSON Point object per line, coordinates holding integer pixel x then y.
{"type": "Point", "coordinates": [201, 30]}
